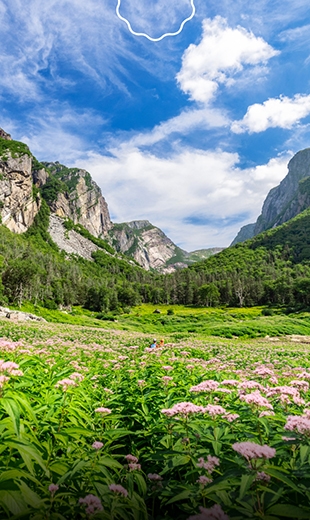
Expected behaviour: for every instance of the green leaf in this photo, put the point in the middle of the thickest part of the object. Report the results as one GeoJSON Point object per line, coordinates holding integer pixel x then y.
{"type": "Point", "coordinates": [13, 501]}
{"type": "Point", "coordinates": [289, 511]}
{"type": "Point", "coordinates": [280, 476]}
{"type": "Point", "coordinates": [30, 497]}
{"type": "Point", "coordinates": [12, 409]}
{"type": "Point", "coordinates": [110, 463]}
{"type": "Point", "coordinates": [304, 453]}
{"type": "Point", "coordinates": [246, 482]}
{"type": "Point", "coordinates": [181, 496]}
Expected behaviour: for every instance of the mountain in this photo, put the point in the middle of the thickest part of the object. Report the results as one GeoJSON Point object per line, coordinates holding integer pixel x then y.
{"type": "Point", "coordinates": [285, 201]}
{"type": "Point", "coordinates": [74, 197]}
{"type": "Point", "coordinates": [151, 248]}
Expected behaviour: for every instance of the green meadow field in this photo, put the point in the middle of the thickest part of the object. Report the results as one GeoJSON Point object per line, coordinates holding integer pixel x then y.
{"type": "Point", "coordinates": [214, 425]}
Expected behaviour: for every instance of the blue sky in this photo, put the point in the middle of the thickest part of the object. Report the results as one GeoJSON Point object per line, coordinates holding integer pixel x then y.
{"type": "Point", "coordinates": [190, 132]}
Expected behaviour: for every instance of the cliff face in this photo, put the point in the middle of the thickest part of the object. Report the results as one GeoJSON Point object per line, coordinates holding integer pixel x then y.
{"type": "Point", "coordinates": [71, 193]}
{"type": "Point", "coordinates": [18, 204]}
{"type": "Point", "coordinates": [285, 201]}
{"type": "Point", "coordinates": [146, 244]}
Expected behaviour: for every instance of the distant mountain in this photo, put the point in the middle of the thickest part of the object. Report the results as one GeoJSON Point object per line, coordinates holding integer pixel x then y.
{"type": "Point", "coordinates": [285, 201]}
{"type": "Point", "coordinates": [76, 201]}
{"type": "Point", "coordinates": [151, 248]}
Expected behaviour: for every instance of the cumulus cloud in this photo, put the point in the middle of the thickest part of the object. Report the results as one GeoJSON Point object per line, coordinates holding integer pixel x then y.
{"type": "Point", "coordinates": [282, 112]}
{"type": "Point", "coordinates": [222, 53]}
{"type": "Point", "coordinates": [199, 198]}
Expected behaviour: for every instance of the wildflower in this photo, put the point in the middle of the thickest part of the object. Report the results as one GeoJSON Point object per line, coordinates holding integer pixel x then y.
{"type": "Point", "coordinates": [261, 475]}
{"type": "Point", "coordinates": [16, 373]}
{"type": "Point", "coordinates": [53, 488]}
{"type": "Point", "coordinates": [65, 384]}
{"type": "Point", "coordinates": [266, 413]}
{"type": "Point", "coordinates": [246, 385]}
{"type": "Point", "coordinates": [257, 399]}
{"type": "Point", "coordinates": [167, 367]}
{"type": "Point", "coordinates": [205, 386]}
{"type": "Point", "coordinates": [154, 477]}
{"type": "Point", "coordinates": [204, 480]}
{"type": "Point", "coordinates": [141, 382]}
{"type": "Point", "coordinates": [251, 450]}
{"type": "Point", "coordinates": [76, 376]}
{"type": "Point", "coordinates": [8, 366]}
{"type": "Point", "coordinates": [166, 379]}
{"type": "Point", "coordinates": [230, 417]}
{"type": "Point", "coordinates": [93, 504]}
{"type": "Point", "coordinates": [117, 488]}
{"type": "Point", "coordinates": [215, 410]}
{"type": "Point", "coordinates": [134, 467]}
{"type": "Point", "coordinates": [183, 409]}
{"type": "Point", "coordinates": [209, 464]}
{"type": "Point", "coordinates": [108, 391]}
{"type": "Point", "coordinates": [230, 382]}
{"type": "Point", "coordinates": [214, 513]}
{"type": "Point", "coordinates": [101, 409]}
{"type": "Point", "coordinates": [3, 380]}
{"type": "Point", "coordinates": [299, 423]}
{"type": "Point", "coordinates": [97, 445]}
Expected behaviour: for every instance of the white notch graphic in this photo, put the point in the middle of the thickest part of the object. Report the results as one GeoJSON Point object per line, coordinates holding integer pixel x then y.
{"type": "Point", "coordinates": [146, 35]}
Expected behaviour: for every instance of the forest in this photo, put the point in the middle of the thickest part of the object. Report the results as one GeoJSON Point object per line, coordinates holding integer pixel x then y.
{"type": "Point", "coordinates": [270, 269]}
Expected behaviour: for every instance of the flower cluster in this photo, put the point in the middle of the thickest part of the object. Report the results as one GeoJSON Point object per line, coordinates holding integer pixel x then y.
{"type": "Point", "coordinates": [251, 450]}
{"type": "Point", "coordinates": [93, 504]}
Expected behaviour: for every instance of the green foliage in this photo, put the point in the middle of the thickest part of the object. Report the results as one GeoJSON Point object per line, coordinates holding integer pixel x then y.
{"type": "Point", "coordinates": [52, 188]}
{"type": "Point", "coordinates": [186, 458]}
{"type": "Point", "coordinates": [13, 148]}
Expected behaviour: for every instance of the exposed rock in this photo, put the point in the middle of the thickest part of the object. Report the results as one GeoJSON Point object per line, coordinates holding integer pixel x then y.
{"type": "Point", "coordinates": [18, 315]}
{"type": "Point", "coordinates": [5, 135]}
{"type": "Point", "coordinates": [285, 201]}
{"type": "Point", "coordinates": [18, 205]}
{"type": "Point", "coordinates": [245, 233]}
{"type": "Point", "coordinates": [40, 177]}
{"type": "Point", "coordinates": [81, 201]}
{"type": "Point", "coordinates": [70, 241]}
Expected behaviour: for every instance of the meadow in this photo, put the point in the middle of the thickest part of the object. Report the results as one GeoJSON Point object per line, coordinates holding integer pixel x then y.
{"type": "Point", "coordinates": [94, 424]}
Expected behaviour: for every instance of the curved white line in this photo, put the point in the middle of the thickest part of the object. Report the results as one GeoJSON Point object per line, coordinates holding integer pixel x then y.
{"type": "Point", "coordinates": [146, 35]}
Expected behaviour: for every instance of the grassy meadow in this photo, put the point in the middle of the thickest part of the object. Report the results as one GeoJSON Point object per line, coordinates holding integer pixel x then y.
{"type": "Point", "coordinates": [94, 424]}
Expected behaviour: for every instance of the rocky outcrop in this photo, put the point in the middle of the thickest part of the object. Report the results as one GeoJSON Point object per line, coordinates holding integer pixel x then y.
{"type": "Point", "coordinates": [18, 204]}
{"type": "Point", "coordinates": [245, 233]}
{"type": "Point", "coordinates": [6, 313]}
{"type": "Point", "coordinates": [285, 201]}
{"type": "Point", "coordinates": [70, 241]}
{"type": "Point", "coordinates": [145, 243]}
{"type": "Point", "coordinates": [80, 199]}
{"type": "Point", "coordinates": [5, 135]}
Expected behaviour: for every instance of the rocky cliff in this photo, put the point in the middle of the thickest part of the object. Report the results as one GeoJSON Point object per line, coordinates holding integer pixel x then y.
{"type": "Point", "coordinates": [19, 203]}
{"type": "Point", "coordinates": [73, 196]}
{"type": "Point", "coordinates": [285, 201]}
{"type": "Point", "coordinates": [151, 248]}
{"type": "Point", "coordinates": [71, 193]}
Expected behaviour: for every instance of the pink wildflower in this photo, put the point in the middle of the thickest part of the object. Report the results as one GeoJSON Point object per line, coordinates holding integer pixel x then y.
{"type": "Point", "coordinates": [251, 385]}
{"type": "Point", "coordinates": [53, 488]}
{"type": "Point", "coordinates": [230, 417]}
{"type": "Point", "coordinates": [299, 423]}
{"type": "Point", "coordinates": [251, 450]}
{"type": "Point", "coordinates": [183, 409]}
{"type": "Point", "coordinates": [154, 477]}
{"type": "Point", "coordinates": [117, 488]}
{"type": "Point", "coordinates": [101, 409]}
{"type": "Point", "coordinates": [204, 480]}
{"type": "Point", "coordinates": [230, 382]}
{"type": "Point", "coordinates": [8, 366]}
{"type": "Point", "coordinates": [131, 458]}
{"type": "Point", "coordinates": [266, 413]}
{"type": "Point", "coordinates": [261, 475]}
{"type": "Point", "coordinates": [134, 467]}
{"type": "Point", "coordinates": [205, 386]}
{"type": "Point", "coordinates": [65, 384]}
{"type": "Point", "coordinates": [209, 464]}
{"type": "Point", "coordinates": [76, 376]}
{"type": "Point", "coordinates": [214, 513]}
{"type": "Point", "coordinates": [3, 380]}
{"type": "Point", "coordinates": [97, 445]}
{"type": "Point", "coordinates": [257, 399]}
{"type": "Point", "coordinates": [141, 382]}
{"type": "Point", "coordinates": [93, 504]}
{"type": "Point", "coordinates": [214, 410]}
{"type": "Point", "coordinates": [167, 367]}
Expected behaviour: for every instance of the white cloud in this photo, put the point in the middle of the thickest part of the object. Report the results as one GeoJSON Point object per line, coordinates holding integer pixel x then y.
{"type": "Point", "coordinates": [222, 53]}
{"type": "Point", "coordinates": [199, 198]}
{"type": "Point", "coordinates": [282, 112]}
